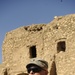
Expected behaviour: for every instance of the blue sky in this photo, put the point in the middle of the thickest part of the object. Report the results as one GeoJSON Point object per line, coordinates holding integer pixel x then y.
{"type": "Point", "coordinates": [17, 13]}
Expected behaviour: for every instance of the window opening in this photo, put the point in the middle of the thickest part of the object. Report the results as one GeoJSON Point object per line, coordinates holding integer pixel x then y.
{"type": "Point", "coordinates": [61, 46]}
{"type": "Point", "coordinates": [33, 52]}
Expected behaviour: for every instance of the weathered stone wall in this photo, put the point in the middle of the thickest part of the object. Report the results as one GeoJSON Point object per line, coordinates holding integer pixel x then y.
{"type": "Point", "coordinates": [53, 42]}
{"type": "Point", "coordinates": [60, 30]}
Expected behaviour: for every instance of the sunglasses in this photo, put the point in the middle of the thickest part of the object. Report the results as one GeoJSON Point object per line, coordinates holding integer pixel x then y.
{"type": "Point", "coordinates": [35, 69]}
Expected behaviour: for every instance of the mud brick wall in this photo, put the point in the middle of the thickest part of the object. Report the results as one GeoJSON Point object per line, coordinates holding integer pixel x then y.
{"type": "Point", "coordinates": [54, 42]}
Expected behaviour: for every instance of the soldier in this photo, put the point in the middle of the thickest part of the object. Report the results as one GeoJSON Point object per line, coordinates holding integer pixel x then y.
{"type": "Point", "coordinates": [37, 67]}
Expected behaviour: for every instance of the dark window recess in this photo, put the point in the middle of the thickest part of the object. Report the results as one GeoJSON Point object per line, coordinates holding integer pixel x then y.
{"type": "Point", "coordinates": [33, 52]}
{"type": "Point", "coordinates": [61, 46]}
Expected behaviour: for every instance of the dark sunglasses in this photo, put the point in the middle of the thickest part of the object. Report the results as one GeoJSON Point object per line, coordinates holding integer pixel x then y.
{"type": "Point", "coordinates": [35, 69]}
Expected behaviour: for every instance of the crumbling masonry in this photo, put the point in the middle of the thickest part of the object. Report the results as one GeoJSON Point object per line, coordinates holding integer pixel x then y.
{"type": "Point", "coordinates": [54, 42]}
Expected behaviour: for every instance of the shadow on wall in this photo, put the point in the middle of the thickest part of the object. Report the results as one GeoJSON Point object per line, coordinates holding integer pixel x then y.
{"type": "Point", "coordinates": [53, 69]}
{"type": "Point", "coordinates": [22, 74]}
{"type": "Point", "coordinates": [5, 72]}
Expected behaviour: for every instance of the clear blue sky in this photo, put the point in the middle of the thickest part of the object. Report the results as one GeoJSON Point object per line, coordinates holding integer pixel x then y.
{"type": "Point", "coordinates": [17, 13]}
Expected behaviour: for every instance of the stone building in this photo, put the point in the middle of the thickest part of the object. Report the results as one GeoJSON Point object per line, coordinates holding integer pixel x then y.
{"type": "Point", "coordinates": [54, 42]}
